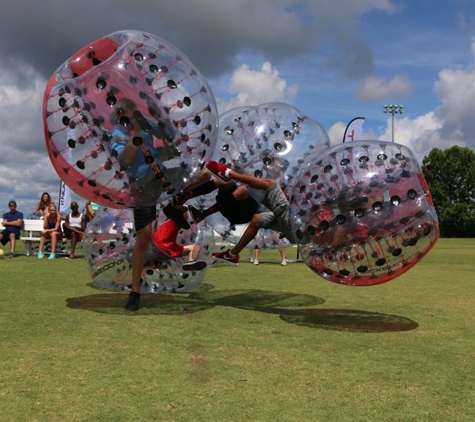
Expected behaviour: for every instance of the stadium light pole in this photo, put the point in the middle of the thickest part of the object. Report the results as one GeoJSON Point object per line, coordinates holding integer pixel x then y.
{"type": "Point", "coordinates": [393, 109]}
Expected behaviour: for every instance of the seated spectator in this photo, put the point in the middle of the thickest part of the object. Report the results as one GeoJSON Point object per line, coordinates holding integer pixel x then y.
{"type": "Point", "coordinates": [43, 204]}
{"type": "Point", "coordinates": [52, 230]}
{"type": "Point", "coordinates": [13, 222]}
{"type": "Point", "coordinates": [91, 209]}
{"type": "Point", "coordinates": [74, 226]}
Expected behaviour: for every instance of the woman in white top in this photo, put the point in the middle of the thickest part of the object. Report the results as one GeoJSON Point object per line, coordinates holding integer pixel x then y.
{"type": "Point", "coordinates": [74, 226]}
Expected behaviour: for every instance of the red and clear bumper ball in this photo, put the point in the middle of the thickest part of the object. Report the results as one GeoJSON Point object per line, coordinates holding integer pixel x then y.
{"type": "Point", "coordinates": [362, 214]}
{"type": "Point", "coordinates": [129, 120]}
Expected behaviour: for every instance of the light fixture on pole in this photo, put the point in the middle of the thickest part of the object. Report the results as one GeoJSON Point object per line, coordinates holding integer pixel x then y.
{"type": "Point", "coordinates": [393, 109]}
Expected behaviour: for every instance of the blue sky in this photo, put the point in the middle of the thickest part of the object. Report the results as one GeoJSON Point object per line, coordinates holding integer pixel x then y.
{"type": "Point", "coordinates": [332, 59]}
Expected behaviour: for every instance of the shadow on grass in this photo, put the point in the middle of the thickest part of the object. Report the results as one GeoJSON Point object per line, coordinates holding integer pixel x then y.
{"type": "Point", "coordinates": [350, 320]}
{"type": "Point", "coordinates": [265, 301]}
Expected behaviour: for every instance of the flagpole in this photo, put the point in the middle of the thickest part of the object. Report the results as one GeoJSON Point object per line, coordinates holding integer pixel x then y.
{"type": "Point", "coordinates": [59, 196]}
{"type": "Point", "coordinates": [354, 129]}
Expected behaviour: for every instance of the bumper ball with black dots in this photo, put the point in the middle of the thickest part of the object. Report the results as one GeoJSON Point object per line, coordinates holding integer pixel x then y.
{"type": "Point", "coordinates": [129, 90]}
{"type": "Point", "coordinates": [109, 243]}
{"type": "Point", "coordinates": [272, 140]}
{"type": "Point", "coordinates": [362, 213]}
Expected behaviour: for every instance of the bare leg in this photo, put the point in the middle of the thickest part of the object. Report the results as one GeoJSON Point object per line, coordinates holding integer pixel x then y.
{"type": "Point", "coordinates": [138, 258]}
{"type": "Point", "coordinates": [249, 234]}
{"type": "Point", "coordinates": [193, 264]}
{"type": "Point", "coordinates": [241, 193]}
{"type": "Point", "coordinates": [42, 243]}
{"type": "Point", "coordinates": [253, 182]}
{"type": "Point", "coordinates": [12, 242]}
{"type": "Point", "coordinates": [282, 253]}
{"type": "Point", "coordinates": [257, 252]}
{"type": "Point", "coordinates": [74, 237]}
{"type": "Point", "coordinates": [192, 251]}
{"type": "Point", "coordinates": [54, 240]}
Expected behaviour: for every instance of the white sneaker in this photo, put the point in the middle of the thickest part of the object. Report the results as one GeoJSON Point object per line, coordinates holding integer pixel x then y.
{"type": "Point", "coordinates": [252, 260]}
{"type": "Point", "coordinates": [256, 262]}
{"type": "Point", "coordinates": [284, 262]}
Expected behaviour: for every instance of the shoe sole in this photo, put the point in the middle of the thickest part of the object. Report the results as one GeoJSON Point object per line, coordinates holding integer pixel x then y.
{"type": "Point", "coordinates": [194, 217]}
{"type": "Point", "coordinates": [232, 264]}
{"type": "Point", "coordinates": [132, 308]}
{"type": "Point", "coordinates": [194, 266]}
{"type": "Point", "coordinates": [220, 176]}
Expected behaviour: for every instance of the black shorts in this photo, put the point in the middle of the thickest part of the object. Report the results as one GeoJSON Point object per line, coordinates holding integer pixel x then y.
{"type": "Point", "coordinates": [239, 212]}
{"type": "Point", "coordinates": [144, 216]}
{"type": "Point", "coordinates": [6, 236]}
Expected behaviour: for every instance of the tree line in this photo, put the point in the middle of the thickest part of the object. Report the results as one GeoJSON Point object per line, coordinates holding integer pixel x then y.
{"type": "Point", "coordinates": [450, 175]}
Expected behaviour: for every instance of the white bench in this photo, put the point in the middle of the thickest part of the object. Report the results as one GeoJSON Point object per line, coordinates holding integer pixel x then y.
{"type": "Point", "coordinates": [31, 235]}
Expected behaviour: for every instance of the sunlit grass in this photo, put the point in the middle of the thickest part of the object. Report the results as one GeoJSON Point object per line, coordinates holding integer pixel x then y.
{"type": "Point", "coordinates": [252, 343]}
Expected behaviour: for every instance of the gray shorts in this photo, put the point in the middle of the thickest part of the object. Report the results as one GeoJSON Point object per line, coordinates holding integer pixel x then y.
{"type": "Point", "coordinates": [279, 218]}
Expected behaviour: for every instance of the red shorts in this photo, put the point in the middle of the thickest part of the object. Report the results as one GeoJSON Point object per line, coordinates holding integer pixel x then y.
{"type": "Point", "coordinates": [165, 238]}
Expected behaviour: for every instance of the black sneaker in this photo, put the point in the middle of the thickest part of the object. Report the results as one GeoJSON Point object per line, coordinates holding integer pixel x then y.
{"type": "Point", "coordinates": [12, 255]}
{"type": "Point", "coordinates": [176, 216]}
{"type": "Point", "coordinates": [177, 200]}
{"type": "Point", "coordinates": [196, 214]}
{"type": "Point", "coordinates": [132, 304]}
{"type": "Point", "coordinates": [194, 266]}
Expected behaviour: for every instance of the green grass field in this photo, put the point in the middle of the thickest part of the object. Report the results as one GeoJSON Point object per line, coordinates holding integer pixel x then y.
{"type": "Point", "coordinates": [257, 343]}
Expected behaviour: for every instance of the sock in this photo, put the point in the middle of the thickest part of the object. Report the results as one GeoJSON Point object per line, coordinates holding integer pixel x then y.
{"type": "Point", "coordinates": [200, 190]}
{"type": "Point", "coordinates": [211, 210]}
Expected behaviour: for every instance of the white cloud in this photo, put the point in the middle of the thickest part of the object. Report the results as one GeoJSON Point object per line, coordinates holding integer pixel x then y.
{"type": "Point", "coordinates": [452, 123]}
{"type": "Point", "coordinates": [25, 168]}
{"type": "Point", "coordinates": [213, 37]}
{"type": "Point", "coordinates": [336, 133]}
{"type": "Point", "coordinates": [421, 134]}
{"type": "Point", "coordinates": [449, 124]}
{"type": "Point", "coordinates": [456, 90]}
{"type": "Point", "coordinates": [253, 87]}
{"type": "Point", "coordinates": [372, 88]}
